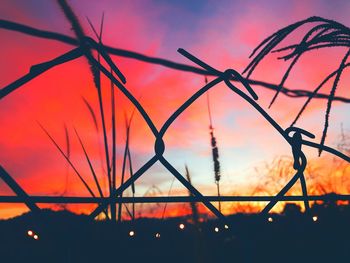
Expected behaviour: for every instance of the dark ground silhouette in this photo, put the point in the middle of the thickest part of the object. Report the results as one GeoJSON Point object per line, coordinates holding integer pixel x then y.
{"type": "Point", "coordinates": [288, 237]}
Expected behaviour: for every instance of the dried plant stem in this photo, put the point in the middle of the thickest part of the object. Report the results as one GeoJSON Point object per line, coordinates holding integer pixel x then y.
{"type": "Point", "coordinates": [169, 192]}
{"type": "Point", "coordinates": [195, 214]}
{"type": "Point", "coordinates": [124, 165]}
{"type": "Point", "coordinates": [90, 165]}
{"type": "Point", "coordinates": [133, 184]}
{"type": "Point", "coordinates": [215, 151]}
{"type": "Point", "coordinates": [79, 32]}
{"type": "Point", "coordinates": [114, 147]}
{"type": "Point", "coordinates": [68, 160]}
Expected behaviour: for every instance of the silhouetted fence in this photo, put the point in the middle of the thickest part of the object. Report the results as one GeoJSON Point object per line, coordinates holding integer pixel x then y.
{"type": "Point", "coordinates": [293, 136]}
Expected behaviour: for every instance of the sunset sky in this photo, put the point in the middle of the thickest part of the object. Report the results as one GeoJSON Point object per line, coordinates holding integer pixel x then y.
{"type": "Point", "coordinates": [221, 33]}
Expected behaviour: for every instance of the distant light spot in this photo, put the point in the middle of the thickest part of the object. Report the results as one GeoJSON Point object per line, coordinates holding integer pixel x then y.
{"type": "Point", "coordinates": [216, 229]}
{"type": "Point", "coordinates": [314, 218]}
{"type": "Point", "coordinates": [30, 232]}
{"type": "Point", "coordinates": [36, 237]}
{"type": "Point", "coordinates": [182, 226]}
{"type": "Point", "coordinates": [157, 235]}
{"type": "Point", "coordinates": [270, 219]}
{"type": "Point", "coordinates": [226, 226]}
{"type": "Point", "coordinates": [132, 233]}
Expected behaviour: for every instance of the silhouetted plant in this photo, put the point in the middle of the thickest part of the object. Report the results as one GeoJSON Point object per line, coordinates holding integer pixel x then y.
{"type": "Point", "coordinates": [86, 45]}
{"type": "Point", "coordinates": [326, 33]}
{"type": "Point", "coordinates": [214, 148]}
{"type": "Point", "coordinates": [68, 160]}
{"type": "Point", "coordinates": [195, 214]}
{"type": "Point", "coordinates": [127, 158]}
{"type": "Point", "coordinates": [79, 32]}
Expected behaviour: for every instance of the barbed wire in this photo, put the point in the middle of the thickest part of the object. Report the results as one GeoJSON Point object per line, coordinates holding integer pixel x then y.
{"type": "Point", "coordinates": [17, 27]}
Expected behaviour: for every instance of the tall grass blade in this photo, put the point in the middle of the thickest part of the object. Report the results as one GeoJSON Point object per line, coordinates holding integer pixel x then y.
{"type": "Point", "coordinates": [124, 163]}
{"type": "Point", "coordinates": [79, 32]}
{"type": "Point", "coordinates": [114, 148]}
{"type": "Point", "coordinates": [169, 192]}
{"type": "Point", "coordinates": [68, 160]}
{"type": "Point", "coordinates": [92, 113]}
{"type": "Point", "coordinates": [195, 214]}
{"type": "Point", "coordinates": [90, 164]}
{"type": "Point", "coordinates": [133, 184]}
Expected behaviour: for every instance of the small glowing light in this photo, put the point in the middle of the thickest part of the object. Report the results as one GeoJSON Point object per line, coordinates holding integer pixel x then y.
{"type": "Point", "coordinates": [226, 226]}
{"type": "Point", "coordinates": [182, 226]}
{"type": "Point", "coordinates": [132, 233]}
{"type": "Point", "coordinates": [36, 237]}
{"type": "Point", "coordinates": [30, 232]}
{"type": "Point", "coordinates": [270, 219]}
{"type": "Point", "coordinates": [157, 235]}
{"type": "Point", "coordinates": [216, 229]}
{"type": "Point", "coordinates": [314, 218]}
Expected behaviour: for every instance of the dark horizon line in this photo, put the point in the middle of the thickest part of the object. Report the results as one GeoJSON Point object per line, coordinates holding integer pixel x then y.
{"type": "Point", "coordinates": [168, 199]}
